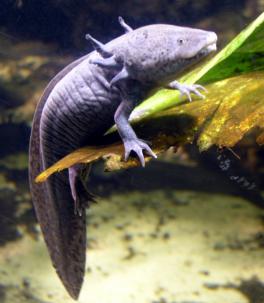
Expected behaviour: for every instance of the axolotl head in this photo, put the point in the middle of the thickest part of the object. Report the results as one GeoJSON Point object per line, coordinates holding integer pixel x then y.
{"type": "Point", "coordinates": [154, 53]}
{"type": "Point", "coordinates": [157, 52]}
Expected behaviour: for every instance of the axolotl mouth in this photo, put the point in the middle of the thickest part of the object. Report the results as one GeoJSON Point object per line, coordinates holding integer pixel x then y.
{"type": "Point", "coordinates": [209, 47]}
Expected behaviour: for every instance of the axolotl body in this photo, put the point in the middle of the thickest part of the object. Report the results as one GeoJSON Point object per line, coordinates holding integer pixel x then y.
{"type": "Point", "coordinates": [81, 103]}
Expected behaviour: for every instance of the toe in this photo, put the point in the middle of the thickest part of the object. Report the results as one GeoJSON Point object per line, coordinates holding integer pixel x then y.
{"type": "Point", "coordinates": [149, 151]}
{"type": "Point", "coordinates": [197, 93]}
{"type": "Point", "coordinates": [127, 151]}
{"type": "Point", "coordinates": [200, 87]}
{"type": "Point", "coordinates": [187, 93]}
{"type": "Point", "coordinates": [140, 156]}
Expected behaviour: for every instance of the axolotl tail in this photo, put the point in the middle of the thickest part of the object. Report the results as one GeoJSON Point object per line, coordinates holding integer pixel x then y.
{"type": "Point", "coordinates": [64, 231]}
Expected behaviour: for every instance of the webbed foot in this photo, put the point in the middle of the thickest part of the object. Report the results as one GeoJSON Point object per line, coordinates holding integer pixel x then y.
{"type": "Point", "coordinates": [187, 89]}
{"type": "Point", "coordinates": [138, 146]}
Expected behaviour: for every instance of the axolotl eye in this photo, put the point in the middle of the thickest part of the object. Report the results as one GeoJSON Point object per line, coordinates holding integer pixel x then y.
{"type": "Point", "coordinates": [181, 41]}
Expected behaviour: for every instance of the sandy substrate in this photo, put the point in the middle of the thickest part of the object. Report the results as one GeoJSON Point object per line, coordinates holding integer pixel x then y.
{"type": "Point", "coordinates": [157, 247]}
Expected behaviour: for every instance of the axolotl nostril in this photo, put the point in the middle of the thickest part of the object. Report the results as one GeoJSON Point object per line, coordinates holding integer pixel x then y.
{"type": "Point", "coordinates": [81, 103]}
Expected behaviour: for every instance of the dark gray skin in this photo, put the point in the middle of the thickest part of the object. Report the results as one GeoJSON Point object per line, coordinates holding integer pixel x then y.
{"type": "Point", "coordinates": [80, 104]}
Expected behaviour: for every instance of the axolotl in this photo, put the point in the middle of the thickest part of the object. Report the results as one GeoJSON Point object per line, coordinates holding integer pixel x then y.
{"type": "Point", "coordinates": [81, 103]}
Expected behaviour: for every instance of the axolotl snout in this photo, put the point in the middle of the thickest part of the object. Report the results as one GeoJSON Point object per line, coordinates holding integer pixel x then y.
{"type": "Point", "coordinates": [80, 104]}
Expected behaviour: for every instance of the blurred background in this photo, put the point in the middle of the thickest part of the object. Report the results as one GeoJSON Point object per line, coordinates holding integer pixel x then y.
{"type": "Point", "coordinates": [179, 230]}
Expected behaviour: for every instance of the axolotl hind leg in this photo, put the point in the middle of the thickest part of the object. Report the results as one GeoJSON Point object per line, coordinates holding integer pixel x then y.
{"type": "Point", "coordinates": [78, 178]}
